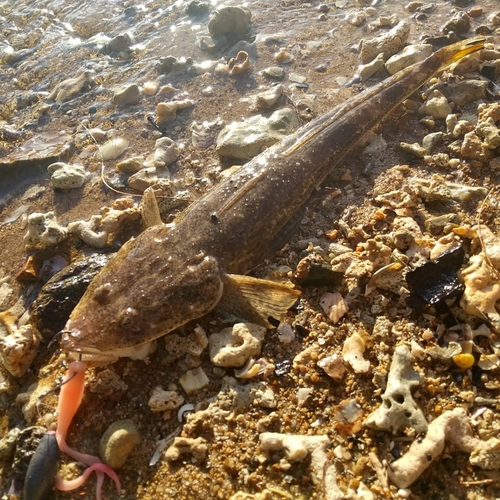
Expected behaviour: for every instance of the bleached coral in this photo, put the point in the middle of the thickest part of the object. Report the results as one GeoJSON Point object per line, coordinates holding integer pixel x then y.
{"type": "Point", "coordinates": [234, 346]}
{"type": "Point", "coordinates": [480, 277]}
{"type": "Point", "coordinates": [398, 409]}
{"type": "Point", "coordinates": [196, 447]}
{"type": "Point", "coordinates": [296, 448]}
{"type": "Point", "coordinates": [452, 426]}
{"type": "Point", "coordinates": [44, 231]}
{"type": "Point", "coordinates": [97, 231]}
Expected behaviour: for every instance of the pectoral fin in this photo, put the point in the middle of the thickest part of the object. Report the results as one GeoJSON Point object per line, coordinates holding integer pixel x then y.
{"type": "Point", "coordinates": [255, 299]}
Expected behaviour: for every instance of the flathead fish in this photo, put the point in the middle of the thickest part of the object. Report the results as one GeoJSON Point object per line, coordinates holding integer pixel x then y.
{"type": "Point", "coordinates": [172, 274]}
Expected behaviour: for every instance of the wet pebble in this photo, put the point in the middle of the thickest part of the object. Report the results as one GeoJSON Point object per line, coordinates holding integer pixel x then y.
{"type": "Point", "coordinates": [239, 64]}
{"type": "Point", "coordinates": [8, 443]}
{"type": "Point", "coordinates": [234, 346]}
{"type": "Point", "coordinates": [283, 57]}
{"type": "Point", "coordinates": [489, 132]}
{"type": "Point", "coordinates": [356, 18]}
{"type": "Point", "coordinates": [436, 106]}
{"type": "Point", "coordinates": [150, 88]}
{"type": "Point", "coordinates": [459, 24]}
{"type": "Point", "coordinates": [118, 442]}
{"type": "Point", "coordinates": [211, 44]}
{"type": "Point", "coordinates": [166, 152]}
{"type": "Point", "coordinates": [197, 8]}
{"type": "Point", "coordinates": [408, 56]}
{"type": "Point", "coordinates": [26, 99]}
{"type": "Point", "coordinates": [274, 73]}
{"type": "Point", "coordinates": [464, 92]}
{"type": "Point", "coordinates": [194, 380]}
{"type": "Point", "coordinates": [365, 71]}
{"type": "Point", "coordinates": [64, 176]}
{"type": "Point", "coordinates": [244, 140]}
{"type": "Point", "coordinates": [473, 148]}
{"type": "Point", "coordinates": [229, 20]}
{"type": "Point", "coordinates": [128, 95]}
{"type": "Point", "coordinates": [166, 112]}
{"type": "Point", "coordinates": [119, 45]}
{"type": "Point", "coordinates": [130, 165]}
{"type": "Point", "coordinates": [72, 87]}
{"type": "Point", "coordinates": [268, 99]}
{"type": "Point", "coordinates": [162, 400]}
{"type": "Point", "coordinates": [389, 43]}
{"type": "Point", "coordinates": [203, 134]}
{"type": "Point", "coordinates": [147, 177]}
{"type": "Point", "coordinates": [431, 141]}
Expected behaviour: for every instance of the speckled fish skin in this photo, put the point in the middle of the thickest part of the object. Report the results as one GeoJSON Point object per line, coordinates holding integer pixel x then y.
{"type": "Point", "coordinates": [170, 275]}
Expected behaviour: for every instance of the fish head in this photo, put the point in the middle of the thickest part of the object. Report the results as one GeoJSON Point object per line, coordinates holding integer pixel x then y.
{"type": "Point", "coordinates": [138, 297]}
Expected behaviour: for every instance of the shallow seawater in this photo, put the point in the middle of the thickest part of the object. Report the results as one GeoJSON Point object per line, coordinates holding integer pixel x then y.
{"type": "Point", "coordinates": [46, 42]}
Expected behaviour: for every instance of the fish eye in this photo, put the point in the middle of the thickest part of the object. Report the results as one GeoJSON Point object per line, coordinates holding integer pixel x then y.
{"type": "Point", "coordinates": [127, 317]}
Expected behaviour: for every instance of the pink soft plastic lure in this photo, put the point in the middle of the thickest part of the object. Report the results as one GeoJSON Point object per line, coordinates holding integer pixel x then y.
{"type": "Point", "coordinates": [70, 398]}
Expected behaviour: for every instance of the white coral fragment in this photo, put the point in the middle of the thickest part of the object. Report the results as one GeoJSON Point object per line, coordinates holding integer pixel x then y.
{"type": "Point", "coordinates": [234, 346]}
{"type": "Point", "coordinates": [398, 409]}
{"type": "Point", "coordinates": [99, 229]}
{"type": "Point", "coordinates": [196, 447]}
{"type": "Point", "coordinates": [296, 448]}
{"type": "Point", "coordinates": [44, 231]}
{"type": "Point", "coordinates": [18, 349]}
{"type": "Point", "coordinates": [352, 353]}
{"type": "Point", "coordinates": [480, 277]}
{"type": "Point", "coordinates": [452, 426]}
{"type": "Point", "coordinates": [162, 400]}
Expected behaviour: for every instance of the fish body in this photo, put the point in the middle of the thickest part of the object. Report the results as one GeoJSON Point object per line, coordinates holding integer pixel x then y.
{"type": "Point", "coordinates": [172, 274]}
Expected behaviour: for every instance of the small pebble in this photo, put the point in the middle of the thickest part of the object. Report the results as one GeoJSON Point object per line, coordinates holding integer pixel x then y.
{"type": "Point", "coordinates": [283, 57]}
{"type": "Point", "coordinates": [64, 176]}
{"type": "Point", "coordinates": [118, 442]}
{"type": "Point", "coordinates": [129, 95]}
{"type": "Point", "coordinates": [274, 73]}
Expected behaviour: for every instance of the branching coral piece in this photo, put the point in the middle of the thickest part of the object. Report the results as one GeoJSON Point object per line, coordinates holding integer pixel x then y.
{"type": "Point", "coordinates": [454, 427]}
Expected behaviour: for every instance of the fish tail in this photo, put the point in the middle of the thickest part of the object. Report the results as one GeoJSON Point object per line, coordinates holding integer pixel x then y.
{"type": "Point", "coordinates": [453, 53]}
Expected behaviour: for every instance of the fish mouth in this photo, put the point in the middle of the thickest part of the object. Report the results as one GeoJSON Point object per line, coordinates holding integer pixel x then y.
{"type": "Point", "coordinates": [94, 355]}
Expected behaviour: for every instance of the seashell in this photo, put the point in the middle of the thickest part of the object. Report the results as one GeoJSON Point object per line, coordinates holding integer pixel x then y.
{"type": "Point", "coordinates": [150, 88]}
{"type": "Point", "coordinates": [334, 305]}
{"type": "Point", "coordinates": [283, 57]}
{"type": "Point", "coordinates": [239, 64]}
{"type": "Point", "coordinates": [488, 362]}
{"type": "Point", "coordinates": [250, 370]}
{"type": "Point", "coordinates": [194, 380]}
{"type": "Point", "coordinates": [463, 360]}
{"type": "Point", "coordinates": [167, 111]}
{"type": "Point", "coordinates": [187, 408]}
{"type": "Point", "coordinates": [112, 149]}
{"type": "Point", "coordinates": [167, 89]}
{"type": "Point", "coordinates": [302, 394]}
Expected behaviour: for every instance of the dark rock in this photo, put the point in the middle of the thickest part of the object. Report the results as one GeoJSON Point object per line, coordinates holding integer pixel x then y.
{"type": "Point", "coordinates": [437, 281]}
{"type": "Point", "coordinates": [197, 8]}
{"type": "Point", "coordinates": [59, 296]}
{"type": "Point", "coordinates": [459, 24]}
